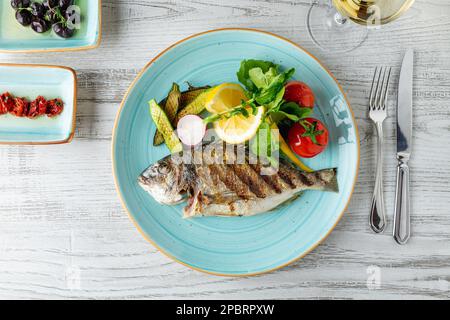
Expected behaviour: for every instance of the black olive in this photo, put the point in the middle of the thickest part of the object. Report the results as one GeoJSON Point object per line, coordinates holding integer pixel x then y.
{"type": "Point", "coordinates": [17, 4]}
{"type": "Point", "coordinates": [64, 4]}
{"type": "Point", "coordinates": [40, 25]}
{"type": "Point", "coordinates": [24, 17]}
{"type": "Point", "coordinates": [51, 3]}
{"type": "Point", "coordinates": [62, 30]}
{"type": "Point", "coordinates": [58, 28]}
{"type": "Point", "coordinates": [38, 9]}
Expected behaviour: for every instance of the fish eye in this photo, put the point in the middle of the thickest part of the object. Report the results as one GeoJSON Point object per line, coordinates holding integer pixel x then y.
{"type": "Point", "coordinates": [163, 168]}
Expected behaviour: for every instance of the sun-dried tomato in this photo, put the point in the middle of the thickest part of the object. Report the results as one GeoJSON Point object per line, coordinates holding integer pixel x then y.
{"type": "Point", "coordinates": [55, 107]}
{"type": "Point", "coordinates": [37, 108]}
{"type": "Point", "coordinates": [6, 103]}
{"type": "Point", "coordinates": [21, 106]}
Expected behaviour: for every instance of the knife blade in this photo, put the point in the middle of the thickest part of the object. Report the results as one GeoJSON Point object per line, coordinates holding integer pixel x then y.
{"type": "Point", "coordinates": [402, 223]}
{"type": "Point", "coordinates": [404, 107]}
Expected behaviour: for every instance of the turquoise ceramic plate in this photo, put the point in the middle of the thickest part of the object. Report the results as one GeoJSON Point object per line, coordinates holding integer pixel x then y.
{"type": "Point", "coordinates": [239, 245]}
{"type": "Point", "coordinates": [31, 81]}
{"type": "Point", "coordinates": [16, 38]}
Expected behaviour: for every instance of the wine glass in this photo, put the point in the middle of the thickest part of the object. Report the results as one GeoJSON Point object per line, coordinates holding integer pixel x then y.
{"type": "Point", "coordinates": [330, 22]}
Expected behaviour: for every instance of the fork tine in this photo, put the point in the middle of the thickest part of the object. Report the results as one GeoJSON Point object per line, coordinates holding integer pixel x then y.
{"type": "Point", "coordinates": [378, 91]}
{"type": "Point", "coordinates": [386, 89]}
{"type": "Point", "coordinates": [371, 101]}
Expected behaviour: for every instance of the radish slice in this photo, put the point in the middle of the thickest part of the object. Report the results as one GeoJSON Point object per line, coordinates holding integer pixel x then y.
{"type": "Point", "coordinates": [191, 129]}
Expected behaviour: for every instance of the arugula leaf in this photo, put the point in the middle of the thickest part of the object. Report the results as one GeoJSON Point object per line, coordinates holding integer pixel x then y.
{"type": "Point", "coordinates": [295, 109]}
{"type": "Point", "coordinates": [291, 117]}
{"type": "Point", "coordinates": [241, 109]}
{"type": "Point", "coordinates": [212, 118]}
{"type": "Point", "coordinates": [244, 72]}
{"type": "Point", "coordinates": [276, 104]}
{"type": "Point", "coordinates": [291, 111]}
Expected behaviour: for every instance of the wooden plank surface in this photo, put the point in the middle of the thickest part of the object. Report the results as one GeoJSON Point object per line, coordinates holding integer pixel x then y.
{"type": "Point", "coordinates": [64, 234]}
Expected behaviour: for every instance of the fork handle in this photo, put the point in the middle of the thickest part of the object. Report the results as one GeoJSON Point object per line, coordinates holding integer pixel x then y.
{"type": "Point", "coordinates": [377, 212]}
{"type": "Point", "coordinates": [402, 223]}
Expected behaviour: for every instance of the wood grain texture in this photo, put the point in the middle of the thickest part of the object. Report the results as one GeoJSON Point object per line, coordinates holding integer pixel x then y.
{"type": "Point", "coordinates": [81, 244]}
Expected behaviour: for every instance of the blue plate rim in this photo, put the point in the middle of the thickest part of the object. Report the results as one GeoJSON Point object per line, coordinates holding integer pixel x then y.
{"type": "Point", "coordinates": [74, 112]}
{"type": "Point", "coordinates": [114, 140]}
{"type": "Point", "coordinates": [79, 48]}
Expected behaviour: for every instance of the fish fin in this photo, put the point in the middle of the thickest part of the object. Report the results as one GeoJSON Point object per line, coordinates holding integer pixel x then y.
{"type": "Point", "coordinates": [332, 185]}
{"type": "Point", "coordinates": [194, 205]}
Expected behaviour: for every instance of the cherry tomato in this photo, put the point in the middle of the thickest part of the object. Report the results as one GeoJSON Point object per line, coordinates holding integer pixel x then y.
{"type": "Point", "coordinates": [308, 138]}
{"type": "Point", "coordinates": [299, 93]}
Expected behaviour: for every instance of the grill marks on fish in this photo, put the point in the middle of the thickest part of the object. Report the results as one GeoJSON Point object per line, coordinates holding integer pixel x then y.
{"type": "Point", "coordinates": [243, 179]}
{"type": "Point", "coordinates": [287, 176]}
{"type": "Point", "coordinates": [222, 184]}
{"type": "Point", "coordinates": [249, 177]}
{"type": "Point", "coordinates": [231, 180]}
{"type": "Point", "coordinates": [274, 181]}
{"type": "Point", "coordinates": [305, 180]}
{"type": "Point", "coordinates": [247, 181]}
{"type": "Point", "coordinates": [247, 174]}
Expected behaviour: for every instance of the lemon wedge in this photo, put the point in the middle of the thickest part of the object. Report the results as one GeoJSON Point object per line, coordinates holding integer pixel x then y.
{"type": "Point", "coordinates": [224, 97]}
{"type": "Point", "coordinates": [238, 128]}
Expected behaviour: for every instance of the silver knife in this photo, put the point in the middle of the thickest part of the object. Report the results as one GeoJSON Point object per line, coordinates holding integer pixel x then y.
{"type": "Point", "coordinates": [402, 222]}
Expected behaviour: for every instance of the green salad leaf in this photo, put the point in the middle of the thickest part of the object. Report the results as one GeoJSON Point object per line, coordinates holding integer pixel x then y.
{"type": "Point", "coordinates": [263, 80]}
{"type": "Point", "coordinates": [294, 112]}
{"type": "Point", "coordinates": [260, 79]}
{"type": "Point", "coordinates": [277, 102]}
{"type": "Point", "coordinates": [269, 93]}
{"type": "Point", "coordinates": [244, 72]}
{"type": "Point", "coordinates": [265, 86]}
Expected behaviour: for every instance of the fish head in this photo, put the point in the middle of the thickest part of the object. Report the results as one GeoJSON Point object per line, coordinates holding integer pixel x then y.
{"type": "Point", "coordinates": [162, 181]}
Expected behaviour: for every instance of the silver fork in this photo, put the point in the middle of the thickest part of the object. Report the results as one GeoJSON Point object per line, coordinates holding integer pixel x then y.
{"type": "Point", "coordinates": [377, 112]}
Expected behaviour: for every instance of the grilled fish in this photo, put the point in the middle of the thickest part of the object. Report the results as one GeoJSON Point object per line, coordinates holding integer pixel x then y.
{"type": "Point", "coordinates": [220, 185]}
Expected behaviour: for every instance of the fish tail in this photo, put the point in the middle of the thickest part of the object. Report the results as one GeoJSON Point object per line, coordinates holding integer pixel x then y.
{"type": "Point", "coordinates": [332, 185]}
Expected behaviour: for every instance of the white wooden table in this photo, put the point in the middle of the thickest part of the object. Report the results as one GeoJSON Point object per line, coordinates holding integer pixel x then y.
{"type": "Point", "coordinates": [64, 234]}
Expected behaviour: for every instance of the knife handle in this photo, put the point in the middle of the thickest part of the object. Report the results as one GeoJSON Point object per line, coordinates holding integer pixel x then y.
{"type": "Point", "coordinates": [402, 223]}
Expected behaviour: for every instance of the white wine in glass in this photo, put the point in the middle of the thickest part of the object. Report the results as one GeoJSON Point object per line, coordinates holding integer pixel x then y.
{"type": "Point", "coordinates": [330, 21]}
{"type": "Point", "coordinates": [372, 12]}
